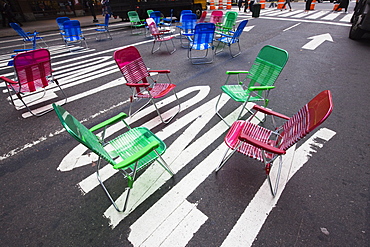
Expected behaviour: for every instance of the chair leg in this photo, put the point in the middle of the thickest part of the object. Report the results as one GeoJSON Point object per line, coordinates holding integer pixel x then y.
{"type": "Point", "coordinates": [217, 111]}
{"type": "Point", "coordinates": [268, 167]}
{"type": "Point", "coordinates": [237, 54]}
{"type": "Point", "coordinates": [160, 115]}
{"type": "Point", "coordinates": [107, 192]}
{"type": "Point", "coordinates": [163, 163]}
{"type": "Point", "coordinates": [223, 45]}
{"type": "Point", "coordinates": [226, 157]}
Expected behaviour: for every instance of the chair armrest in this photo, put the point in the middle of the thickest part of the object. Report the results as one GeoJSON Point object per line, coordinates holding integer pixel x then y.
{"type": "Point", "coordinates": [224, 34]}
{"type": "Point", "coordinates": [236, 72]}
{"type": "Point", "coordinates": [138, 84]}
{"type": "Point", "coordinates": [110, 121]}
{"type": "Point", "coordinates": [8, 80]}
{"type": "Point", "coordinates": [260, 88]}
{"type": "Point", "coordinates": [137, 156]}
{"type": "Point", "coordinates": [160, 71]}
{"type": "Point", "coordinates": [245, 138]}
{"type": "Point", "coordinates": [269, 112]}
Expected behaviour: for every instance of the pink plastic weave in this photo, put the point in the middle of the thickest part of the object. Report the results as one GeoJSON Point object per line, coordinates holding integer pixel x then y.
{"type": "Point", "coordinates": [32, 68]}
{"type": "Point", "coordinates": [216, 16]}
{"type": "Point", "coordinates": [134, 70]}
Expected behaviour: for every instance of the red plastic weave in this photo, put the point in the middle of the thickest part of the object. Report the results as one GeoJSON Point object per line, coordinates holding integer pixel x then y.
{"type": "Point", "coordinates": [32, 68]}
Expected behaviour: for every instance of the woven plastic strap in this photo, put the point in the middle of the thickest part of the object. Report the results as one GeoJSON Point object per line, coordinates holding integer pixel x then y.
{"type": "Point", "coordinates": [254, 131]}
{"type": "Point", "coordinates": [32, 69]}
{"type": "Point", "coordinates": [295, 128]}
{"type": "Point", "coordinates": [264, 72]}
{"type": "Point", "coordinates": [135, 71]}
{"type": "Point", "coordinates": [134, 140]}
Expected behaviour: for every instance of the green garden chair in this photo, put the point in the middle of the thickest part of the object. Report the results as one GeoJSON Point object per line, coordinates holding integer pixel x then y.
{"type": "Point", "coordinates": [135, 21]}
{"type": "Point", "coordinates": [258, 81]}
{"type": "Point", "coordinates": [130, 152]}
{"type": "Point", "coordinates": [228, 24]}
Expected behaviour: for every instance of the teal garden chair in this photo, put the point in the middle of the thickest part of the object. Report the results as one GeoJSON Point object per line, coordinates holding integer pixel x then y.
{"type": "Point", "coordinates": [136, 149]}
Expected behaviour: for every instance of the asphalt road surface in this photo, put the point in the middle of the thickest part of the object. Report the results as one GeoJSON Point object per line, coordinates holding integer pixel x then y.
{"type": "Point", "coordinates": [50, 195]}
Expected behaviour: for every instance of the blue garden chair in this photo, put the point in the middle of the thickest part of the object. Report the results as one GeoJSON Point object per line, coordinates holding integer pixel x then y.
{"type": "Point", "coordinates": [103, 28]}
{"type": "Point", "coordinates": [231, 38]}
{"type": "Point", "coordinates": [27, 36]}
{"type": "Point", "coordinates": [73, 34]}
{"type": "Point", "coordinates": [60, 21]}
{"type": "Point", "coordinates": [156, 16]}
{"type": "Point", "coordinates": [189, 20]}
{"type": "Point", "coordinates": [202, 40]}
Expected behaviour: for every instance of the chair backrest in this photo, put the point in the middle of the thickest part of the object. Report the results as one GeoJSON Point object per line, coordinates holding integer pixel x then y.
{"type": "Point", "coordinates": [153, 28]}
{"type": "Point", "coordinates": [81, 133]}
{"type": "Point", "coordinates": [131, 64]}
{"type": "Point", "coordinates": [133, 16]}
{"type": "Point", "coordinates": [183, 12]}
{"type": "Point", "coordinates": [156, 16]}
{"type": "Point", "coordinates": [268, 65]}
{"type": "Point", "coordinates": [20, 31]}
{"type": "Point", "coordinates": [203, 34]}
{"type": "Point", "coordinates": [239, 30]}
{"type": "Point", "coordinates": [106, 20]}
{"type": "Point", "coordinates": [60, 21]}
{"type": "Point", "coordinates": [149, 11]}
{"type": "Point", "coordinates": [202, 17]}
{"type": "Point", "coordinates": [307, 119]}
{"type": "Point", "coordinates": [189, 20]}
{"type": "Point", "coordinates": [216, 16]}
{"type": "Point", "coordinates": [230, 19]}
{"type": "Point", "coordinates": [33, 69]}
{"type": "Point", "coordinates": [72, 28]}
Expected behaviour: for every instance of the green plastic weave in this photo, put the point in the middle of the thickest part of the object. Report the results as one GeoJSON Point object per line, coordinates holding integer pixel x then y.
{"type": "Point", "coordinates": [264, 72]}
{"type": "Point", "coordinates": [125, 145]}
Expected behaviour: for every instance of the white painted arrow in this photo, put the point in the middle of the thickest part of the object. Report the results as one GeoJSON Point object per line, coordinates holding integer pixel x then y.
{"type": "Point", "coordinates": [248, 28]}
{"type": "Point", "coordinates": [317, 40]}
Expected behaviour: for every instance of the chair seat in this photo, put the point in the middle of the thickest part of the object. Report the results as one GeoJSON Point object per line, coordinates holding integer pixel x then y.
{"type": "Point", "coordinates": [239, 94]}
{"type": "Point", "coordinates": [203, 46]}
{"type": "Point", "coordinates": [73, 38]}
{"type": "Point", "coordinates": [161, 38]}
{"type": "Point", "coordinates": [30, 86]}
{"type": "Point", "coordinates": [228, 40]}
{"type": "Point", "coordinates": [158, 90]}
{"type": "Point", "coordinates": [101, 30]}
{"type": "Point", "coordinates": [254, 131]}
{"type": "Point", "coordinates": [135, 140]}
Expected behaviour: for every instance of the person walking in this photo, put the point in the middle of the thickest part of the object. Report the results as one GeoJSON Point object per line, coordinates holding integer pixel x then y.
{"type": "Point", "coordinates": [287, 2]}
{"type": "Point", "coordinates": [342, 4]}
{"type": "Point", "coordinates": [240, 4]}
{"type": "Point", "coordinates": [245, 5]}
{"type": "Point", "coordinates": [308, 5]}
{"type": "Point", "coordinates": [7, 13]}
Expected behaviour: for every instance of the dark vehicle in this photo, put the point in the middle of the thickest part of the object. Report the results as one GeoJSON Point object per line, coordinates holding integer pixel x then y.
{"type": "Point", "coordinates": [121, 7]}
{"type": "Point", "coordinates": [360, 19]}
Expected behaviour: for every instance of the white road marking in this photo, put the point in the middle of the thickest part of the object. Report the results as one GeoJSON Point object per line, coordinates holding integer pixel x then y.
{"type": "Point", "coordinates": [251, 221]}
{"type": "Point", "coordinates": [317, 40]}
{"type": "Point", "coordinates": [306, 21]}
{"type": "Point", "coordinates": [164, 211]}
{"type": "Point", "coordinates": [286, 29]}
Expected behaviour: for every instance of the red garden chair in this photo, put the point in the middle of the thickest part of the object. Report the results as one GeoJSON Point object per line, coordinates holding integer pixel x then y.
{"type": "Point", "coordinates": [159, 37]}
{"type": "Point", "coordinates": [34, 73]}
{"type": "Point", "coordinates": [267, 145]}
{"type": "Point", "coordinates": [136, 74]}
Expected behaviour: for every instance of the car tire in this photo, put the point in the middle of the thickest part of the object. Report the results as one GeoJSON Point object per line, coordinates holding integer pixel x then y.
{"type": "Point", "coordinates": [355, 32]}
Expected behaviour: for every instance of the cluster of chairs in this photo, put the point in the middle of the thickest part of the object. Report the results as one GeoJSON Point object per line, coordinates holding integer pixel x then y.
{"type": "Point", "coordinates": [195, 35]}
{"type": "Point", "coordinates": [138, 147]}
